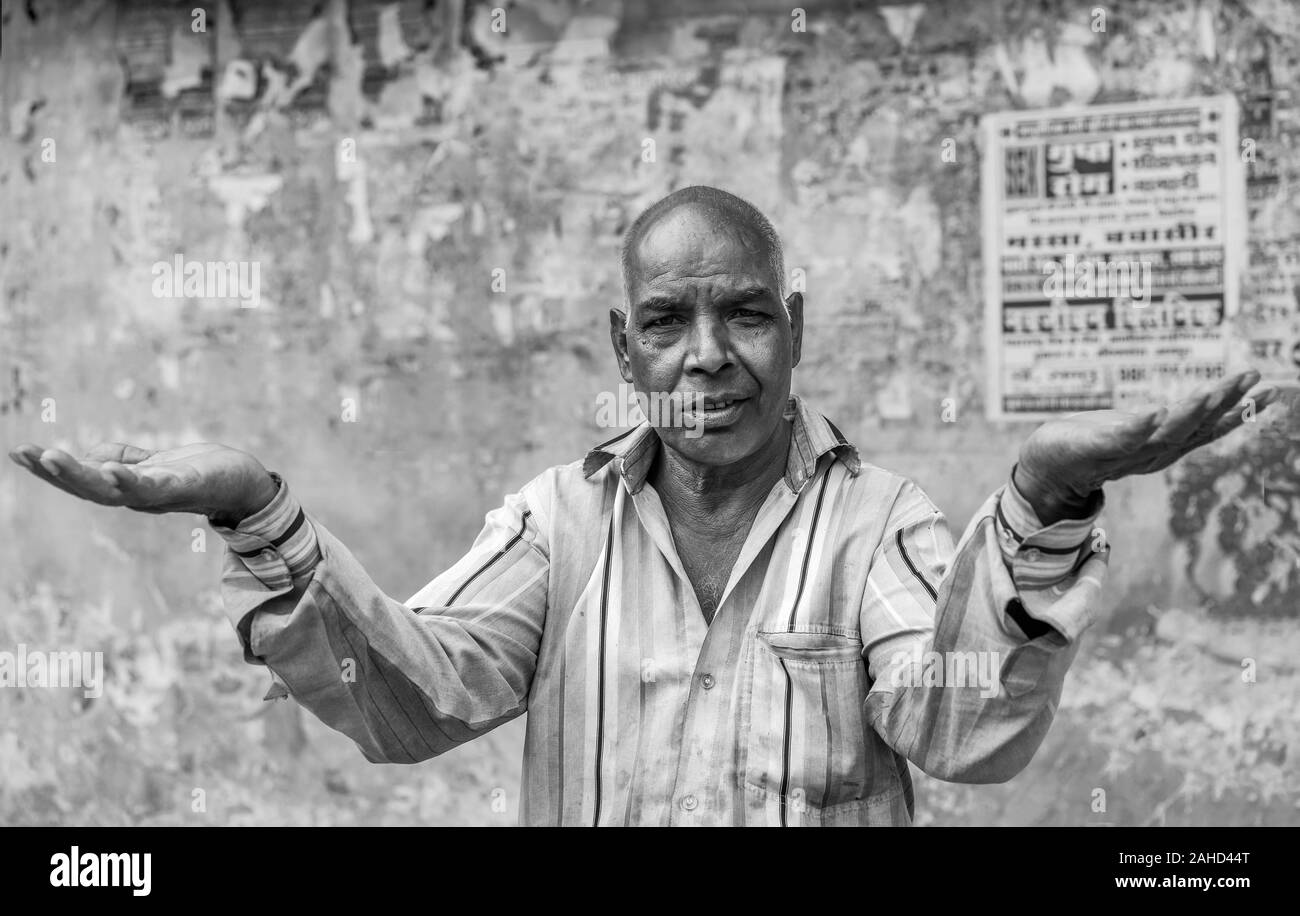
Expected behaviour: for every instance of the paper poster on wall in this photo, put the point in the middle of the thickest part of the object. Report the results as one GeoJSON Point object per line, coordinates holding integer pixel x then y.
{"type": "Point", "coordinates": [1113, 241]}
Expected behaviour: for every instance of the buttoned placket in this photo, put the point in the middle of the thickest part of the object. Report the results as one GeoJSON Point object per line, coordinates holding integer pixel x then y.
{"type": "Point", "coordinates": [692, 768]}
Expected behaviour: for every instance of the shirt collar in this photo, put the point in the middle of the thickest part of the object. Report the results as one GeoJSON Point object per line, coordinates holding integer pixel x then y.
{"type": "Point", "coordinates": [812, 437]}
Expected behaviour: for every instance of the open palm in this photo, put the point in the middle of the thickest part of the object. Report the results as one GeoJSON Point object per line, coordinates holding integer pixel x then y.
{"type": "Point", "coordinates": [1071, 457]}
{"type": "Point", "coordinates": [204, 478]}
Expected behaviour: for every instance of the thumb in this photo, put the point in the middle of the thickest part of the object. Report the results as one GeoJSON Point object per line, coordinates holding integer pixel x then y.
{"type": "Point", "coordinates": [119, 452]}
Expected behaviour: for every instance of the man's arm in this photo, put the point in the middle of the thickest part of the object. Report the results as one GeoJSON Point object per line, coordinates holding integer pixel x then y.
{"type": "Point", "coordinates": [968, 649]}
{"type": "Point", "coordinates": [405, 681]}
{"type": "Point", "coordinates": [1019, 589]}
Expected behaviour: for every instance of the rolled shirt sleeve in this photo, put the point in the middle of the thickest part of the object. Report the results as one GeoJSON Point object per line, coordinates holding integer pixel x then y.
{"type": "Point", "coordinates": [277, 543]}
{"type": "Point", "coordinates": [968, 647]}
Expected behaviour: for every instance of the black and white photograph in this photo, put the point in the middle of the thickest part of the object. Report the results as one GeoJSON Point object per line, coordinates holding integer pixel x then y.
{"type": "Point", "coordinates": [465, 413]}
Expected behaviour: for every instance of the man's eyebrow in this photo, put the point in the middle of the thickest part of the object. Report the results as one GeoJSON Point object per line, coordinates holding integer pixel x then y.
{"type": "Point", "coordinates": [662, 303]}
{"type": "Point", "coordinates": [659, 304]}
{"type": "Point", "coordinates": [742, 296]}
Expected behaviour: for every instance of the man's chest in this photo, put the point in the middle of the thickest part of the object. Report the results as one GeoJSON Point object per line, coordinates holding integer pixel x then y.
{"type": "Point", "coordinates": [708, 562]}
{"type": "Point", "coordinates": [691, 672]}
{"type": "Point", "coordinates": [800, 564]}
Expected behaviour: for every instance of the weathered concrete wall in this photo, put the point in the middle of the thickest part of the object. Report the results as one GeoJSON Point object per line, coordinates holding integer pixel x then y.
{"type": "Point", "coordinates": [435, 210]}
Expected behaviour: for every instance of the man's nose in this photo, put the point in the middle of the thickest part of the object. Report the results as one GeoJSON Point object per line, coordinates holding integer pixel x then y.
{"type": "Point", "coordinates": [710, 346]}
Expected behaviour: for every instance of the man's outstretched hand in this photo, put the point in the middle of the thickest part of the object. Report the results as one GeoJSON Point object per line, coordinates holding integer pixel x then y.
{"type": "Point", "coordinates": [1064, 461]}
{"type": "Point", "coordinates": [222, 483]}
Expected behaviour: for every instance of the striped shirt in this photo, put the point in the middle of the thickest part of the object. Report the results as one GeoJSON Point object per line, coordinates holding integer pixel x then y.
{"type": "Point", "coordinates": [853, 639]}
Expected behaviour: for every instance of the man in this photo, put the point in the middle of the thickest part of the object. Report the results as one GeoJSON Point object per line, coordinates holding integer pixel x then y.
{"type": "Point", "coordinates": [726, 618]}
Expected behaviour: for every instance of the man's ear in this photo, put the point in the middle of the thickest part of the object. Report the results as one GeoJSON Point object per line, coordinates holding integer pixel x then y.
{"type": "Point", "coordinates": [618, 337]}
{"type": "Point", "coordinates": [794, 305]}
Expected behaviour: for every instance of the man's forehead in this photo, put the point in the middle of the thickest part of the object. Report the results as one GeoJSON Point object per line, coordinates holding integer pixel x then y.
{"type": "Point", "coordinates": [672, 295]}
{"type": "Point", "coordinates": [689, 244]}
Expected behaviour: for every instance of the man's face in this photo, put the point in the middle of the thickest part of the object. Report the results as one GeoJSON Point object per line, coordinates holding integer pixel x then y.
{"type": "Point", "coordinates": [707, 326]}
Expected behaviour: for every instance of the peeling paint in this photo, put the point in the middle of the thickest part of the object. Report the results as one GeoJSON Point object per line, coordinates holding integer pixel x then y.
{"type": "Point", "coordinates": [309, 54]}
{"type": "Point", "coordinates": [923, 230]}
{"type": "Point", "coordinates": [190, 53]}
{"type": "Point", "coordinates": [243, 194]}
{"type": "Point", "coordinates": [238, 81]}
{"type": "Point", "coordinates": [902, 21]}
{"type": "Point", "coordinates": [392, 46]}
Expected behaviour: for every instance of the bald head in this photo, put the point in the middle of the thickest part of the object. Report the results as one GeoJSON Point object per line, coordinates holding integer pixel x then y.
{"type": "Point", "coordinates": [702, 209]}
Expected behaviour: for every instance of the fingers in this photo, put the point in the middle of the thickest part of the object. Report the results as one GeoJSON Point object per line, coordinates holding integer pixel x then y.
{"type": "Point", "coordinates": [1236, 415]}
{"type": "Point", "coordinates": [1274, 393]}
{"type": "Point", "coordinates": [1258, 401]}
{"type": "Point", "coordinates": [1182, 420]}
{"type": "Point", "coordinates": [1151, 441]}
{"type": "Point", "coordinates": [117, 475]}
{"type": "Point", "coordinates": [134, 484]}
{"type": "Point", "coordinates": [1224, 425]}
{"type": "Point", "coordinates": [149, 487]}
{"type": "Point", "coordinates": [117, 451]}
{"type": "Point", "coordinates": [21, 455]}
{"type": "Point", "coordinates": [1121, 437]}
{"type": "Point", "coordinates": [27, 457]}
{"type": "Point", "coordinates": [60, 464]}
{"type": "Point", "coordinates": [138, 487]}
{"type": "Point", "coordinates": [107, 483]}
{"type": "Point", "coordinates": [82, 479]}
{"type": "Point", "coordinates": [1230, 392]}
{"type": "Point", "coordinates": [1200, 411]}
{"type": "Point", "coordinates": [1134, 431]}
{"type": "Point", "coordinates": [1224, 412]}
{"type": "Point", "coordinates": [50, 468]}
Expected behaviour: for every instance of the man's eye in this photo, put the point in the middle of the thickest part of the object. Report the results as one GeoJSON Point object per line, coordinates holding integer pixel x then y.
{"type": "Point", "coordinates": [663, 321]}
{"type": "Point", "coordinates": [750, 314]}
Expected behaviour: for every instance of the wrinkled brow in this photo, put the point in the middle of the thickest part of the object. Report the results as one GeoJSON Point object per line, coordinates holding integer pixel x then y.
{"type": "Point", "coordinates": [661, 303]}
{"type": "Point", "coordinates": [748, 294]}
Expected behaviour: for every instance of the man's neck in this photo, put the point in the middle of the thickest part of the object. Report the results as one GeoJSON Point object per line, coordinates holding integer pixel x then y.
{"type": "Point", "coordinates": [709, 498]}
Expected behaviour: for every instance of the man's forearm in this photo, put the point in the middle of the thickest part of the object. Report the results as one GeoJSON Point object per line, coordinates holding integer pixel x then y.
{"type": "Point", "coordinates": [1010, 607]}
{"type": "Point", "coordinates": [404, 685]}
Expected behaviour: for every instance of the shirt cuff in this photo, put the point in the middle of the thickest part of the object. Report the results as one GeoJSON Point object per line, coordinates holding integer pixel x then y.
{"type": "Point", "coordinates": [1040, 555]}
{"type": "Point", "coordinates": [277, 543]}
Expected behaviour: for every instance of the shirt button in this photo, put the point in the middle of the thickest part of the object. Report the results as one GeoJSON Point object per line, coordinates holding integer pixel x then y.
{"type": "Point", "coordinates": [707, 681]}
{"type": "Point", "coordinates": [1032, 554]}
{"type": "Point", "coordinates": [690, 802]}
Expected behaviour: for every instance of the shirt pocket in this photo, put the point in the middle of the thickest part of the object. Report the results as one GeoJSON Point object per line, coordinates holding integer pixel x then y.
{"type": "Point", "coordinates": [807, 746]}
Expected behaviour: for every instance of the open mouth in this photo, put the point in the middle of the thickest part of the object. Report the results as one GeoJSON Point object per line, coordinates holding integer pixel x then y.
{"type": "Point", "coordinates": [716, 411]}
